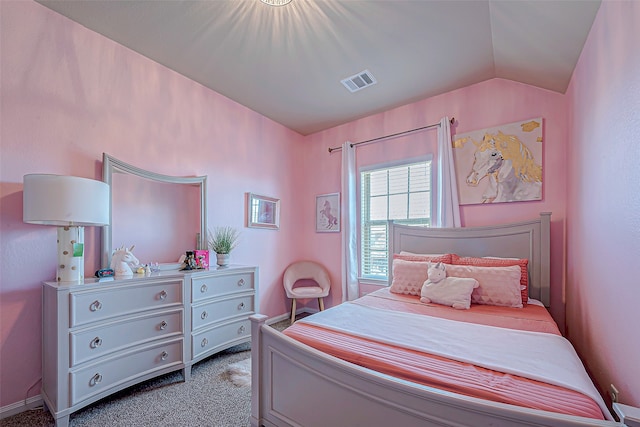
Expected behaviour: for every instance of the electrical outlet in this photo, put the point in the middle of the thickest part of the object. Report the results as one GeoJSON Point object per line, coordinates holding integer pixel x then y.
{"type": "Point", "coordinates": [613, 391]}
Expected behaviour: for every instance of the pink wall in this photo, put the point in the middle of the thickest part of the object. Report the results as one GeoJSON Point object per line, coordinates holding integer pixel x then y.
{"type": "Point", "coordinates": [603, 199]}
{"type": "Point", "coordinates": [478, 106]}
{"type": "Point", "coordinates": [67, 96]}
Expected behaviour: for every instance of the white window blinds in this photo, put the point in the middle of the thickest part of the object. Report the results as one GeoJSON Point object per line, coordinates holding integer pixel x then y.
{"type": "Point", "coordinates": [401, 193]}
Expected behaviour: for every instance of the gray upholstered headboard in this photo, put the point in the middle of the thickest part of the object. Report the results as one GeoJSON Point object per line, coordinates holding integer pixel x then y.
{"type": "Point", "coordinates": [527, 239]}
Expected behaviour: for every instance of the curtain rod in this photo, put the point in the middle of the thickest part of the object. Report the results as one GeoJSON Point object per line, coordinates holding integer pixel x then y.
{"type": "Point", "coordinates": [391, 136]}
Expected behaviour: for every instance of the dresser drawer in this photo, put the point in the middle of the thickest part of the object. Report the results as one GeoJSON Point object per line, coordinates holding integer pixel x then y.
{"type": "Point", "coordinates": [220, 337]}
{"type": "Point", "coordinates": [94, 305]}
{"type": "Point", "coordinates": [112, 372]}
{"type": "Point", "coordinates": [87, 344]}
{"type": "Point", "coordinates": [207, 287]}
{"type": "Point", "coordinates": [221, 309]}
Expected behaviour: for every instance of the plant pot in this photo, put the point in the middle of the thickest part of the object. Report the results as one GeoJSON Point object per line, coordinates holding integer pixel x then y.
{"type": "Point", "coordinates": [222, 259]}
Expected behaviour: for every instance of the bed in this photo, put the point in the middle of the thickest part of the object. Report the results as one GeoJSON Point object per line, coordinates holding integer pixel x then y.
{"type": "Point", "coordinates": [390, 359]}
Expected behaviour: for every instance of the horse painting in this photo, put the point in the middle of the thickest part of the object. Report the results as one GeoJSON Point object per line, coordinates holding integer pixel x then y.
{"type": "Point", "coordinates": [121, 261]}
{"type": "Point", "coordinates": [332, 221]}
{"type": "Point", "coordinates": [510, 168]}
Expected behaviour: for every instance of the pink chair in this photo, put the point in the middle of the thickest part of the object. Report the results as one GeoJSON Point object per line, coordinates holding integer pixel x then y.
{"type": "Point", "coordinates": [311, 272]}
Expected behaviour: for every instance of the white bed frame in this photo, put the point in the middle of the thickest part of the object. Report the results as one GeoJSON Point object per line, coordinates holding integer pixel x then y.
{"type": "Point", "coordinates": [296, 385]}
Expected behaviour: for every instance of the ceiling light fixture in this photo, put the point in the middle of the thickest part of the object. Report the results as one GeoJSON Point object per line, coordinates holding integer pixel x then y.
{"type": "Point", "coordinates": [276, 2]}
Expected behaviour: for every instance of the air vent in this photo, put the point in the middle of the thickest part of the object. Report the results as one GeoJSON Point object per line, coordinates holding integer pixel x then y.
{"type": "Point", "coordinates": [359, 81]}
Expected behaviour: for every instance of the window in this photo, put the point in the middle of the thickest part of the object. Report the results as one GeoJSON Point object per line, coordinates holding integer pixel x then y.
{"type": "Point", "coordinates": [401, 193]}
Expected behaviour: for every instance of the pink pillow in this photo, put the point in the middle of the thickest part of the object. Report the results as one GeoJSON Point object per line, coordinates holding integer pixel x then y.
{"type": "Point", "coordinates": [446, 258]}
{"type": "Point", "coordinates": [410, 274]}
{"type": "Point", "coordinates": [498, 285]}
{"type": "Point", "coordinates": [500, 262]}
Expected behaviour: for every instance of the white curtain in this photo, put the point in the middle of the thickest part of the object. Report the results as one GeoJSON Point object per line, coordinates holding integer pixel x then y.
{"type": "Point", "coordinates": [350, 289]}
{"type": "Point", "coordinates": [447, 205]}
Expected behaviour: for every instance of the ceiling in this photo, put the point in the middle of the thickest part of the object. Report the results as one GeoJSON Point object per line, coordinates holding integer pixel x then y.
{"type": "Point", "coordinates": [287, 62]}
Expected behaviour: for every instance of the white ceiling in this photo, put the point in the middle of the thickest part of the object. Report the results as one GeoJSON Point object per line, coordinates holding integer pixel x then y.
{"type": "Point", "coordinates": [287, 62]}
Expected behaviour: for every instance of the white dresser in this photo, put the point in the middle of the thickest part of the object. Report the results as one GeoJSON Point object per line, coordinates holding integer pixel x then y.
{"type": "Point", "coordinates": [101, 337]}
{"type": "Point", "coordinates": [221, 303]}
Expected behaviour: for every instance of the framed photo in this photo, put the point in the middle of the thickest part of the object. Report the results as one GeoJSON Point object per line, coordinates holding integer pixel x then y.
{"type": "Point", "coordinates": [500, 164]}
{"type": "Point", "coordinates": [263, 212]}
{"type": "Point", "coordinates": [328, 213]}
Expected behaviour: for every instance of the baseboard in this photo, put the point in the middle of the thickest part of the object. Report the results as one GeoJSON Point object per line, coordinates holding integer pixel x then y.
{"type": "Point", "coordinates": [277, 319]}
{"type": "Point", "coordinates": [286, 316]}
{"type": "Point", "coordinates": [28, 404]}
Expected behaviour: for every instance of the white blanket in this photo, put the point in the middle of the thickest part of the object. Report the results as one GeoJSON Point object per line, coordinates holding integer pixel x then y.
{"type": "Point", "coordinates": [539, 356]}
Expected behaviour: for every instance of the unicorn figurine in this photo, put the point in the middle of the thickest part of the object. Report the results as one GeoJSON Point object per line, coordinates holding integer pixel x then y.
{"type": "Point", "coordinates": [122, 259]}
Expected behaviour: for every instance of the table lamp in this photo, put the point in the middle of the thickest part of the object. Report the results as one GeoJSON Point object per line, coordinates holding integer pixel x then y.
{"type": "Point", "coordinates": [71, 203]}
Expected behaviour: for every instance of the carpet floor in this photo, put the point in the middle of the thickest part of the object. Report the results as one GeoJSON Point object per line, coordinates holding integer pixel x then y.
{"type": "Point", "coordinates": [208, 399]}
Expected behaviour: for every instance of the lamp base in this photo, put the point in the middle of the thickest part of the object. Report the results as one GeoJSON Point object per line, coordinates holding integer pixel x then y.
{"type": "Point", "coordinates": [70, 254]}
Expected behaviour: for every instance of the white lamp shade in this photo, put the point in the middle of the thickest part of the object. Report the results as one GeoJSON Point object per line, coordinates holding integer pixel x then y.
{"type": "Point", "coordinates": [65, 201]}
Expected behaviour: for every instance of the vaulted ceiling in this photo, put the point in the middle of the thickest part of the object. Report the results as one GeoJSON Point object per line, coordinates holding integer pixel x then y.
{"type": "Point", "coordinates": [287, 62]}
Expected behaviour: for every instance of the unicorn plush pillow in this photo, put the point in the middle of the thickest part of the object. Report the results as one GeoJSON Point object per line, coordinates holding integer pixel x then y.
{"type": "Point", "coordinates": [451, 291]}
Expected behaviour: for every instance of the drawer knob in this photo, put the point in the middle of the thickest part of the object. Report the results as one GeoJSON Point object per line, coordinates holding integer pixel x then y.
{"type": "Point", "coordinates": [204, 315]}
{"type": "Point", "coordinates": [164, 355]}
{"type": "Point", "coordinates": [163, 325]}
{"type": "Point", "coordinates": [97, 378]}
{"type": "Point", "coordinates": [203, 289]}
{"type": "Point", "coordinates": [241, 282]}
{"type": "Point", "coordinates": [241, 330]}
{"type": "Point", "coordinates": [204, 342]}
{"type": "Point", "coordinates": [96, 342]}
{"type": "Point", "coordinates": [240, 306]}
{"type": "Point", "coordinates": [163, 295]}
{"type": "Point", "coordinates": [95, 306]}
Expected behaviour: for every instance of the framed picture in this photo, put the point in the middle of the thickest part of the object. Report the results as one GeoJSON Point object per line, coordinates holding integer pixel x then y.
{"type": "Point", "coordinates": [500, 164]}
{"type": "Point", "coordinates": [328, 213]}
{"type": "Point", "coordinates": [263, 212]}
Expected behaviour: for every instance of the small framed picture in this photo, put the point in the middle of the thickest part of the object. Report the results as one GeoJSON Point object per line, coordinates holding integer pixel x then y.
{"type": "Point", "coordinates": [328, 213]}
{"type": "Point", "coordinates": [263, 212]}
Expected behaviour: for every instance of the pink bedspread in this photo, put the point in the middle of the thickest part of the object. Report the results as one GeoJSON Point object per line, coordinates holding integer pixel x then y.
{"type": "Point", "coordinates": [448, 374]}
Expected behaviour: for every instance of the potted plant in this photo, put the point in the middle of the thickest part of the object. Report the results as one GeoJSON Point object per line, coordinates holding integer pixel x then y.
{"type": "Point", "coordinates": [222, 241]}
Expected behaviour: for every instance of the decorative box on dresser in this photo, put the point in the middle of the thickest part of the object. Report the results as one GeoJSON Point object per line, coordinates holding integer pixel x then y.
{"type": "Point", "coordinates": [101, 337]}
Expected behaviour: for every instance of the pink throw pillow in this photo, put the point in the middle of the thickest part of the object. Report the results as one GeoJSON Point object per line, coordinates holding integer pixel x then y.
{"type": "Point", "coordinates": [500, 262]}
{"type": "Point", "coordinates": [446, 258]}
{"type": "Point", "coordinates": [498, 285]}
{"type": "Point", "coordinates": [410, 274]}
